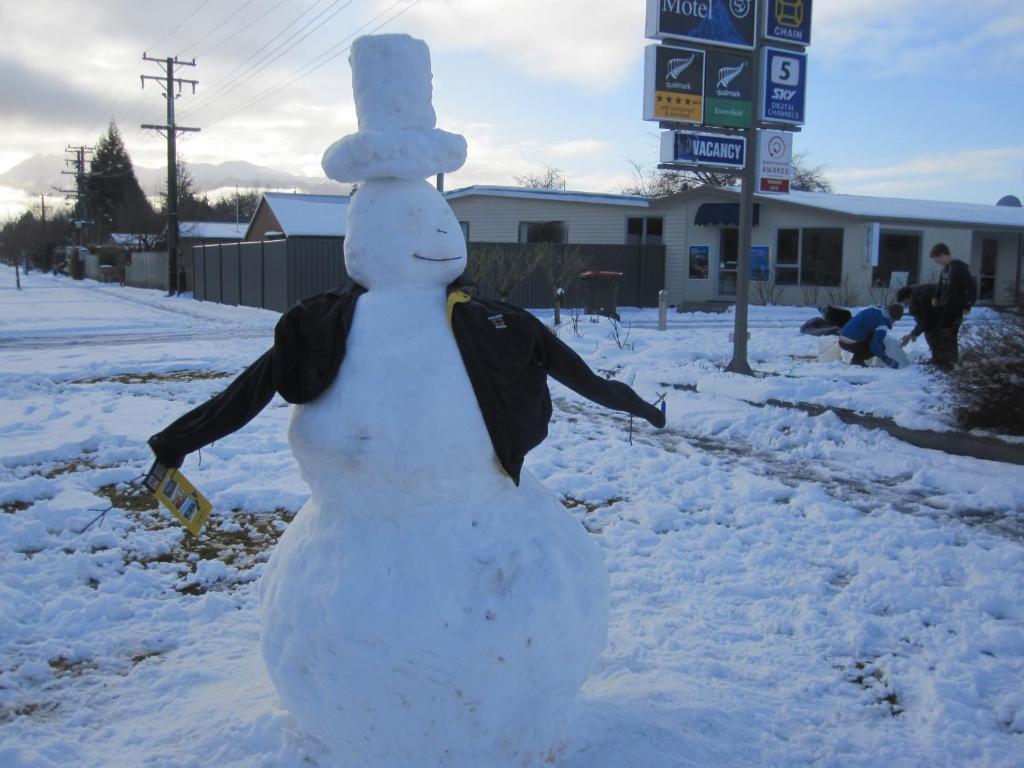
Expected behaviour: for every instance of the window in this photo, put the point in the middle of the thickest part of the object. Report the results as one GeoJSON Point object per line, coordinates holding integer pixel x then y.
{"type": "Point", "coordinates": [543, 232]}
{"type": "Point", "coordinates": [787, 259]}
{"type": "Point", "coordinates": [465, 229]}
{"type": "Point", "coordinates": [987, 277]}
{"type": "Point", "coordinates": [821, 257]}
{"type": "Point", "coordinates": [809, 256]}
{"type": "Point", "coordinates": [640, 230]}
{"type": "Point", "coordinates": [897, 253]}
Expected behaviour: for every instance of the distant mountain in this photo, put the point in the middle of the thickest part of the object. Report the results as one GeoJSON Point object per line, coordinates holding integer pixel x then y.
{"type": "Point", "coordinates": [40, 173]}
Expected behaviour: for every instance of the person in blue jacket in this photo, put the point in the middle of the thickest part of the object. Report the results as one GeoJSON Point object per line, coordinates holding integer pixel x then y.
{"type": "Point", "coordinates": [864, 334]}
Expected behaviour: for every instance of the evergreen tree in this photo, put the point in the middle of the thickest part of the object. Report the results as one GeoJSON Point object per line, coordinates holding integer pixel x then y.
{"type": "Point", "coordinates": [116, 199]}
{"type": "Point", "coordinates": [191, 207]}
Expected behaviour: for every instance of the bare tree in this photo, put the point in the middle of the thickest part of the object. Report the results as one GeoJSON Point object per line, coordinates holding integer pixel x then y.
{"type": "Point", "coordinates": [664, 182]}
{"type": "Point", "coordinates": [882, 294]}
{"type": "Point", "coordinates": [766, 292]}
{"type": "Point", "coordinates": [561, 264]}
{"type": "Point", "coordinates": [842, 295]}
{"type": "Point", "coordinates": [808, 178]}
{"type": "Point", "coordinates": [810, 293]}
{"type": "Point", "coordinates": [502, 268]}
{"type": "Point", "coordinates": [548, 178]}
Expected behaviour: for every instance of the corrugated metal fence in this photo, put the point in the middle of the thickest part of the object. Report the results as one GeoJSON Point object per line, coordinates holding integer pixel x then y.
{"type": "Point", "coordinates": [148, 269]}
{"type": "Point", "coordinates": [642, 268]}
{"type": "Point", "coordinates": [275, 274]}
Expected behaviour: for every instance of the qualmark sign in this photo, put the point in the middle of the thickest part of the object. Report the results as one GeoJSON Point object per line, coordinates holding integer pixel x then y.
{"type": "Point", "coordinates": [728, 89]}
{"type": "Point", "coordinates": [703, 149]}
{"type": "Point", "coordinates": [722, 22]}
{"type": "Point", "coordinates": [673, 84]}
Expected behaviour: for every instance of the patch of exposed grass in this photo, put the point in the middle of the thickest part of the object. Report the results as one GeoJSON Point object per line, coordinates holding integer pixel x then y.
{"type": "Point", "coordinates": [873, 680]}
{"type": "Point", "coordinates": [150, 378]}
{"type": "Point", "coordinates": [62, 666]}
{"type": "Point", "coordinates": [30, 709]}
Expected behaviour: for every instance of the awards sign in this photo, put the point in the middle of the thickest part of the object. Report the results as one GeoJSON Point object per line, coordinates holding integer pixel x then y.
{"type": "Point", "coordinates": [785, 86]}
{"type": "Point", "coordinates": [788, 21]}
{"type": "Point", "coordinates": [710, 149]}
{"type": "Point", "coordinates": [721, 22]}
{"type": "Point", "coordinates": [775, 159]}
{"type": "Point", "coordinates": [673, 84]}
{"type": "Point", "coordinates": [728, 89]}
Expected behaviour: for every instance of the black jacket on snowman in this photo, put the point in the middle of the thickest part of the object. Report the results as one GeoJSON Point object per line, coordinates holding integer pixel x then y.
{"type": "Point", "coordinates": [508, 354]}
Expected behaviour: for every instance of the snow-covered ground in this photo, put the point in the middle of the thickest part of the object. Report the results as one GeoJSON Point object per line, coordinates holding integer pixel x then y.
{"type": "Point", "coordinates": [787, 590]}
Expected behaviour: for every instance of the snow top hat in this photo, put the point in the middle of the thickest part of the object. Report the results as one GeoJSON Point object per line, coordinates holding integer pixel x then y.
{"type": "Point", "coordinates": [391, 82]}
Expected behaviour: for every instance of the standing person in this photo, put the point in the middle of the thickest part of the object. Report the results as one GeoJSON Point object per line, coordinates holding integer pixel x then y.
{"type": "Point", "coordinates": [917, 300]}
{"type": "Point", "coordinates": [864, 334]}
{"type": "Point", "coordinates": [956, 295]}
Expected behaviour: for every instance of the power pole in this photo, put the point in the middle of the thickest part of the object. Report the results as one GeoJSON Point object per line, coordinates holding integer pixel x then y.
{"type": "Point", "coordinates": [80, 194]}
{"type": "Point", "coordinates": [171, 131]}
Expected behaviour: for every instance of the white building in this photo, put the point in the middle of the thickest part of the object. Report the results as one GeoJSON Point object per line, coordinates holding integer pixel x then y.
{"type": "Point", "coordinates": [809, 248]}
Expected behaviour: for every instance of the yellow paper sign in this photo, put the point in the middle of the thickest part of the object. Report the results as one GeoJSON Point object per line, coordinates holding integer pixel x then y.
{"type": "Point", "coordinates": [172, 489]}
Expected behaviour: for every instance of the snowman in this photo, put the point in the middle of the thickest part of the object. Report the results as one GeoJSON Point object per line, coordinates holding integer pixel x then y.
{"type": "Point", "coordinates": [432, 604]}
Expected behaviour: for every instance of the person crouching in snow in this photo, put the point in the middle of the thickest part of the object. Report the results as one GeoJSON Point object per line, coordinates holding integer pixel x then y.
{"type": "Point", "coordinates": [864, 335]}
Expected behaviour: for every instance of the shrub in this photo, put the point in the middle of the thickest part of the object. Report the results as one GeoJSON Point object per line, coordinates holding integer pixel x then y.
{"type": "Point", "coordinates": [987, 388]}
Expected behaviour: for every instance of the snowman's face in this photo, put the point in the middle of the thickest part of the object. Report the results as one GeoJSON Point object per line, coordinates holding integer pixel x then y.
{"type": "Point", "coordinates": [402, 233]}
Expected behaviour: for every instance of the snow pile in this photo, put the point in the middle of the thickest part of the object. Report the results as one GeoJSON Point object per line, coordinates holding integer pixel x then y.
{"type": "Point", "coordinates": [785, 589]}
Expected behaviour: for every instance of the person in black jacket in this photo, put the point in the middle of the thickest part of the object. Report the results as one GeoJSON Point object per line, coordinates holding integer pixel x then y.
{"type": "Point", "coordinates": [956, 294]}
{"type": "Point", "coordinates": [917, 299]}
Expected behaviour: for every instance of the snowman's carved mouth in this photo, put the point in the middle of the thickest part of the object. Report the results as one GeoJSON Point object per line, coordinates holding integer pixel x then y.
{"type": "Point", "coordinates": [427, 258]}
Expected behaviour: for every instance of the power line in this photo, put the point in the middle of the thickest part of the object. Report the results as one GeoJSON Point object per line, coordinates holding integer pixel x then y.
{"type": "Point", "coordinates": [134, 71]}
{"type": "Point", "coordinates": [239, 31]}
{"type": "Point", "coordinates": [316, 22]}
{"type": "Point", "coordinates": [216, 85]}
{"type": "Point", "coordinates": [180, 24]}
{"type": "Point", "coordinates": [211, 30]}
{"type": "Point", "coordinates": [316, 62]}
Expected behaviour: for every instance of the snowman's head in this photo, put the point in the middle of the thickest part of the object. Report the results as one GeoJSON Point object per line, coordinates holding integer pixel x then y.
{"type": "Point", "coordinates": [402, 233]}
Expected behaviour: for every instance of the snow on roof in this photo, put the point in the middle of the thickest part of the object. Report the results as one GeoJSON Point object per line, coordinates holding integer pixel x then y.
{"type": "Point", "coordinates": [302, 215]}
{"type": "Point", "coordinates": [889, 208]}
{"type": "Point", "coordinates": [212, 230]}
{"type": "Point", "coordinates": [561, 195]}
{"type": "Point", "coordinates": [125, 239]}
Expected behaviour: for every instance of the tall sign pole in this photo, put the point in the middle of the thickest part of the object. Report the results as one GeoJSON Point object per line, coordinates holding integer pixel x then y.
{"type": "Point", "coordinates": [739, 363]}
{"type": "Point", "coordinates": [714, 84]}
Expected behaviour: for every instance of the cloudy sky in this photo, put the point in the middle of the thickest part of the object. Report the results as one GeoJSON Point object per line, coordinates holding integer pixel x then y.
{"type": "Point", "coordinates": [907, 98]}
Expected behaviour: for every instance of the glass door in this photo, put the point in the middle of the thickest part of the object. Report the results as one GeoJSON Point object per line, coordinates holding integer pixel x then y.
{"type": "Point", "coordinates": [987, 278]}
{"type": "Point", "coordinates": [728, 250]}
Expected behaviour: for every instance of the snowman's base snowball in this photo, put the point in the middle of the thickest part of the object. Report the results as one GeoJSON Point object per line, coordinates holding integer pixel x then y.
{"type": "Point", "coordinates": [435, 636]}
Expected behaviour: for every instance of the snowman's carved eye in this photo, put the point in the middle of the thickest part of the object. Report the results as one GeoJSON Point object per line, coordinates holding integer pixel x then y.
{"type": "Point", "coordinates": [442, 231]}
